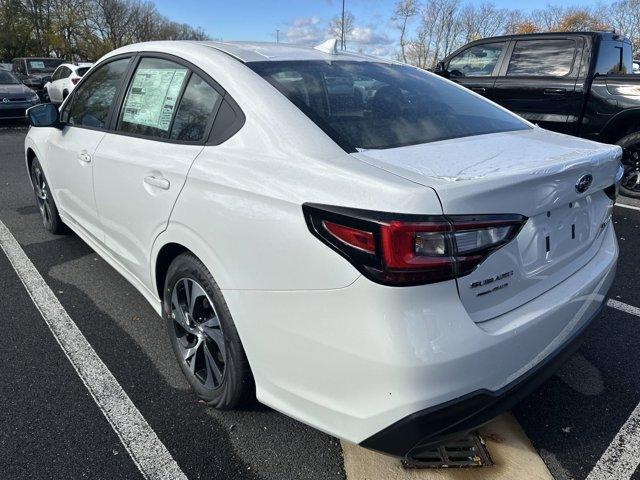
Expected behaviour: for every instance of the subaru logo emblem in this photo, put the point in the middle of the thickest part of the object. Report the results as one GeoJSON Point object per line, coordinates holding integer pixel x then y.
{"type": "Point", "coordinates": [5, 100]}
{"type": "Point", "coordinates": [583, 183]}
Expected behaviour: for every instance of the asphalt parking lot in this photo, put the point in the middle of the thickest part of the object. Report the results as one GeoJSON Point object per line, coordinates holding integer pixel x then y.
{"type": "Point", "coordinates": [52, 427]}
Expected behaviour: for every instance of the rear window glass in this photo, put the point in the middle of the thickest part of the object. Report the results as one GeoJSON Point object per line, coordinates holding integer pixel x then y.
{"type": "Point", "coordinates": [542, 58]}
{"type": "Point", "coordinates": [82, 70]}
{"type": "Point", "coordinates": [368, 105]}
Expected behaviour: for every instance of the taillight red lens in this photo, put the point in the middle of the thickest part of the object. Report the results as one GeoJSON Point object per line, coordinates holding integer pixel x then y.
{"type": "Point", "coordinates": [359, 239]}
{"type": "Point", "coordinates": [75, 80]}
{"type": "Point", "coordinates": [397, 249]}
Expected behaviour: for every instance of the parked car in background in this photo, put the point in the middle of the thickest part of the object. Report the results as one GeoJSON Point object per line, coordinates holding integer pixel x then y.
{"type": "Point", "coordinates": [363, 245]}
{"type": "Point", "coordinates": [34, 72]}
{"type": "Point", "coordinates": [15, 97]}
{"type": "Point", "coordinates": [575, 83]}
{"type": "Point", "coordinates": [5, 66]}
{"type": "Point", "coordinates": [636, 66]}
{"type": "Point", "coordinates": [64, 80]}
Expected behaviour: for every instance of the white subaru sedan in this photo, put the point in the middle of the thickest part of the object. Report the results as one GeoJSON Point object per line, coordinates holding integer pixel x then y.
{"type": "Point", "coordinates": [362, 245]}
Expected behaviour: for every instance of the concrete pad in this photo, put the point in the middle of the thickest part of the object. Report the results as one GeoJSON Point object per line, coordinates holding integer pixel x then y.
{"type": "Point", "coordinates": [510, 449]}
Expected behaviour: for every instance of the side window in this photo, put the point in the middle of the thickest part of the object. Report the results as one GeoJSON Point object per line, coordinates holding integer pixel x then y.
{"type": "Point", "coordinates": [477, 61]}
{"type": "Point", "coordinates": [66, 71]}
{"type": "Point", "coordinates": [195, 111]}
{"type": "Point", "coordinates": [152, 96]}
{"type": "Point", "coordinates": [92, 101]}
{"type": "Point", "coordinates": [56, 74]}
{"type": "Point", "coordinates": [542, 58]}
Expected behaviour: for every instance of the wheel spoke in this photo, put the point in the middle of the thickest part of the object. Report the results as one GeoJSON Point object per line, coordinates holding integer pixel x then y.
{"type": "Point", "coordinates": [214, 372]}
{"type": "Point", "coordinates": [196, 293]}
{"type": "Point", "coordinates": [214, 332]}
{"type": "Point", "coordinates": [190, 355]}
{"type": "Point", "coordinates": [187, 292]}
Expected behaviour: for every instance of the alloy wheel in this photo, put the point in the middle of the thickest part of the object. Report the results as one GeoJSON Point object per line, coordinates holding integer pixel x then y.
{"type": "Point", "coordinates": [41, 190]}
{"type": "Point", "coordinates": [631, 163]}
{"type": "Point", "coordinates": [199, 333]}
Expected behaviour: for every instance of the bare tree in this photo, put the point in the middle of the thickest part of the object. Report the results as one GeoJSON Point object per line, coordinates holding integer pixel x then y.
{"type": "Point", "coordinates": [336, 30]}
{"type": "Point", "coordinates": [404, 11]}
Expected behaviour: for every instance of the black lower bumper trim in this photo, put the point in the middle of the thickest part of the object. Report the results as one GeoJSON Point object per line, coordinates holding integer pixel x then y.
{"type": "Point", "coordinates": [436, 425]}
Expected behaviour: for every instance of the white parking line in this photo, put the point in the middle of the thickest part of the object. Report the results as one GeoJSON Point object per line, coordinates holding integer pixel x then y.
{"type": "Point", "coordinates": [623, 307]}
{"type": "Point", "coordinates": [623, 205]}
{"type": "Point", "coordinates": [145, 448]}
{"type": "Point", "coordinates": [622, 457]}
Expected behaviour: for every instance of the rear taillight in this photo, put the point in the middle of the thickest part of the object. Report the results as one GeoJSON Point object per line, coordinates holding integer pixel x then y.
{"type": "Point", "coordinates": [75, 80]}
{"type": "Point", "coordinates": [400, 250]}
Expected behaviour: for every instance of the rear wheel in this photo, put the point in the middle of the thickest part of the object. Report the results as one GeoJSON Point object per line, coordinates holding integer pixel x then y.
{"type": "Point", "coordinates": [203, 335]}
{"type": "Point", "coordinates": [630, 184]}
{"type": "Point", "coordinates": [48, 210]}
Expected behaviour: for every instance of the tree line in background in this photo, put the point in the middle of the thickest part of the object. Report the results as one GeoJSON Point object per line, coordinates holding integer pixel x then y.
{"type": "Point", "coordinates": [82, 29]}
{"type": "Point", "coordinates": [445, 25]}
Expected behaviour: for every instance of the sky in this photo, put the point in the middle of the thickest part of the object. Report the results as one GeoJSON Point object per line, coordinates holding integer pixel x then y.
{"type": "Point", "coordinates": [305, 21]}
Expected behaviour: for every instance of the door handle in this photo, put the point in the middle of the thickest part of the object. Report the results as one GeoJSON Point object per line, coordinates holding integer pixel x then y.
{"type": "Point", "coordinates": [555, 91]}
{"type": "Point", "coordinates": [479, 89]}
{"type": "Point", "coordinates": [162, 183]}
{"type": "Point", "coordinates": [84, 157]}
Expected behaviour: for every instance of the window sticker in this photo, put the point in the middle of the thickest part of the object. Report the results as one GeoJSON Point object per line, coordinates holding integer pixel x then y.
{"type": "Point", "coordinates": [36, 64]}
{"type": "Point", "coordinates": [152, 97]}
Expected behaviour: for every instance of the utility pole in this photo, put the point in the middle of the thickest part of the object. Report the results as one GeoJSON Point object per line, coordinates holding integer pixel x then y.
{"type": "Point", "coordinates": [342, 29]}
{"type": "Point", "coordinates": [277, 36]}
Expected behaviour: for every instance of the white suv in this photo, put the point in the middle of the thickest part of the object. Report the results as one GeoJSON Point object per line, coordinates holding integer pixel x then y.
{"type": "Point", "coordinates": [377, 251]}
{"type": "Point", "coordinates": [64, 80]}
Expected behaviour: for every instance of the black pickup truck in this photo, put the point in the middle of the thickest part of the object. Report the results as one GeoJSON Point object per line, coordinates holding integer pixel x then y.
{"type": "Point", "coordinates": [578, 83]}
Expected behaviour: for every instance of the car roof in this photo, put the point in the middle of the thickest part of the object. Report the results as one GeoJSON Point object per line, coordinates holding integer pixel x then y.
{"type": "Point", "coordinates": [605, 35]}
{"type": "Point", "coordinates": [266, 51]}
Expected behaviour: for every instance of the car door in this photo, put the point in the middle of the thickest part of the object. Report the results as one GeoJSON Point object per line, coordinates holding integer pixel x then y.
{"type": "Point", "coordinates": [53, 90]}
{"type": "Point", "coordinates": [70, 149]}
{"type": "Point", "coordinates": [538, 82]}
{"type": "Point", "coordinates": [140, 167]}
{"type": "Point", "coordinates": [62, 84]}
{"type": "Point", "coordinates": [476, 66]}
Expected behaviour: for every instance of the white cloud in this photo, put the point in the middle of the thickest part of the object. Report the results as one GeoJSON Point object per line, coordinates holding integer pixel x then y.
{"type": "Point", "coordinates": [313, 31]}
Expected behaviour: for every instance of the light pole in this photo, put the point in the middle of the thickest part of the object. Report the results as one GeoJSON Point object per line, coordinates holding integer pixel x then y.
{"type": "Point", "coordinates": [342, 28]}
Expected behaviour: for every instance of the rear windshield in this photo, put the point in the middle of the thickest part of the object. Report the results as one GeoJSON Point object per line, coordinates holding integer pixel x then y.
{"type": "Point", "coordinates": [82, 70]}
{"type": "Point", "coordinates": [368, 105]}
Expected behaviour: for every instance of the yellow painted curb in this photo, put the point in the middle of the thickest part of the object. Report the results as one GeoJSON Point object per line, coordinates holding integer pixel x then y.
{"type": "Point", "coordinates": [510, 449]}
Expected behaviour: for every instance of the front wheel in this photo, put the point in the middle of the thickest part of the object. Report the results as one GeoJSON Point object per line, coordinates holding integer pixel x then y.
{"type": "Point", "coordinates": [48, 210]}
{"type": "Point", "coordinates": [630, 184]}
{"type": "Point", "coordinates": [203, 335]}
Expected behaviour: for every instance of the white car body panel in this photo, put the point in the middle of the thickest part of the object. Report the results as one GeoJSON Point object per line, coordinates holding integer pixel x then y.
{"type": "Point", "coordinates": [123, 182]}
{"type": "Point", "coordinates": [325, 344]}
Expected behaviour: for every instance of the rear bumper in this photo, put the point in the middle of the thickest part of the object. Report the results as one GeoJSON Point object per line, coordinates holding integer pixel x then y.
{"type": "Point", "coordinates": [390, 368]}
{"type": "Point", "coordinates": [435, 425]}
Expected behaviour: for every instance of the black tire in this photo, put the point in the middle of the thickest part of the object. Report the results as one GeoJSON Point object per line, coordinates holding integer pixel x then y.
{"type": "Point", "coordinates": [630, 185]}
{"type": "Point", "coordinates": [218, 371]}
{"type": "Point", "coordinates": [44, 201]}
{"type": "Point", "coordinates": [65, 94]}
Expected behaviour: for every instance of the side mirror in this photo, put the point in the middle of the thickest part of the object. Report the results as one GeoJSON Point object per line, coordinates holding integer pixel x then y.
{"type": "Point", "coordinates": [441, 69]}
{"type": "Point", "coordinates": [44, 115]}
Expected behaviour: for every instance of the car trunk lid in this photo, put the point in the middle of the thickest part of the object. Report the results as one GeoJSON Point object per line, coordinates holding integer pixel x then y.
{"type": "Point", "coordinates": [534, 173]}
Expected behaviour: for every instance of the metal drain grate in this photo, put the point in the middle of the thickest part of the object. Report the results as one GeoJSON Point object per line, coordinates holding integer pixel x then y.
{"type": "Point", "coordinates": [469, 451]}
